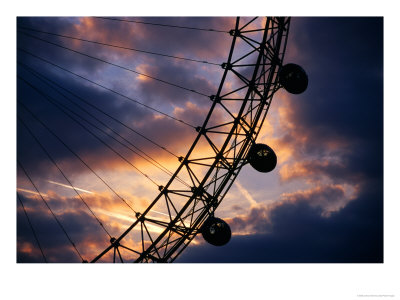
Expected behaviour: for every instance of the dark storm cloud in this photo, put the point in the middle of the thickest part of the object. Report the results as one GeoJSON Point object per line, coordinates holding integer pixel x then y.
{"type": "Point", "coordinates": [259, 220]}
{"type": "Point", "coordinates": [84, 143]}
{"type": "Point", "coordinates": [297, 233]}
{"type": "Point", "coordinates": [76, 137]}
{"type": "Point", "coordinates": [48, 51]}
{"type": "Point", "coordinates": [344, 60]}
{"type": "Point", "coordinates": [339, 119]}
{"type": "Point", "coordinates": [337, 172]}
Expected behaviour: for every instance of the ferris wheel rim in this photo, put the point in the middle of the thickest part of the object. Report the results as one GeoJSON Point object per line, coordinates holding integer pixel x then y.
{"type": "Point", "coordinates": [141, 216]}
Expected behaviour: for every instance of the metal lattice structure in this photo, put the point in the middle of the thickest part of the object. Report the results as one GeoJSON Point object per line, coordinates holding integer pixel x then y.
{"type": "Point", "coordinates": [230, 128]}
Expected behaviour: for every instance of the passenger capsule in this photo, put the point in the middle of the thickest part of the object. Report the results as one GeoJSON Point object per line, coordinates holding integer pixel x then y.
{"type": "Point", "coordinates": [262, 158]}
{"type": "Point", "coordinates": [216, 231]}
{"type": "Point", "coordinates": [293, 78]}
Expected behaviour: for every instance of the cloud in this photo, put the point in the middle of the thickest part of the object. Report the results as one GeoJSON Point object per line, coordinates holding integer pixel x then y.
{"type": "Point", "coordinates": [80, 225]}
{"type": "Point", "coordinates": [311, 169]}
{"type": "Point", "coordinates": [54, 242]}
{"type": "Point", "coordinates": [297, 232]}
{"type": "Point", "coordinates": [173, 101]}
{"type": "Point", "coordinates": [259, 220]}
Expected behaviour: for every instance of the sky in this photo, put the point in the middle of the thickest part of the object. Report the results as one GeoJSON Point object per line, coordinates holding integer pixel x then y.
{"type": "Point", "coordinates": [322, 204]}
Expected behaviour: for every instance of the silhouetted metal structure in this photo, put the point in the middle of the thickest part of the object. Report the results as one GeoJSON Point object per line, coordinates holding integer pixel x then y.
{"type": "Point", "coordinates": [255, 72]}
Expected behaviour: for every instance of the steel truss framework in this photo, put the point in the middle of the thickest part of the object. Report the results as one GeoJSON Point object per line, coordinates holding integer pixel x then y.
{"type": "Point", "coordinates": [242, 101]}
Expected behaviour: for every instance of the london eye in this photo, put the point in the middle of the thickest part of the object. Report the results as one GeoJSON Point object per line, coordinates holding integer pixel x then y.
{"type": "Point", "coordinates": [186, 198]}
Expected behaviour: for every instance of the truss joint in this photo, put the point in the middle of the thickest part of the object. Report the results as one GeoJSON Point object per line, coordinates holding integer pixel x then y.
{"type": "Point", "coordinates": [234, 32]}
{"type": "Point", "coordinates": [200, 129]}
{"type": "Point", "coordinates": [139, 216]}
{"type": "Point", "coordinates": [114, 242]}
{"type": "Point", "coordinates": [197, 191]}
{"type": "Point", "coordinates": [227, 66]}
{"type": "Point", "coordinates": [215, 98]}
